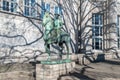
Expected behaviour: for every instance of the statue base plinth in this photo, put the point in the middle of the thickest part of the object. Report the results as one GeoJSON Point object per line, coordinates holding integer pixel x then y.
{"type": "Point", "coordinates": [53, 70]}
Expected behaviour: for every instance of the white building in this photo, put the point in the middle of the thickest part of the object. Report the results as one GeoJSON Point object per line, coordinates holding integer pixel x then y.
{"type": "Point", "coordinates": [93, 26]}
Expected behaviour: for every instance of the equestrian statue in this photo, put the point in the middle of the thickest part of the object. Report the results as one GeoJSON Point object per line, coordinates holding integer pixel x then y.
{"type": "Point", "coordinates": [55, 34]}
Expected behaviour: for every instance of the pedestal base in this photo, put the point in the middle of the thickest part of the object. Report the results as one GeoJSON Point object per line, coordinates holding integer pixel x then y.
{"type": "Point", "coordinates": [53, 71]}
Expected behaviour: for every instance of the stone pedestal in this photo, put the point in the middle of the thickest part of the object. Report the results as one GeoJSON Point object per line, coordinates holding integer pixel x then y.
{"type": "Point", "coordinates": [52, 72]}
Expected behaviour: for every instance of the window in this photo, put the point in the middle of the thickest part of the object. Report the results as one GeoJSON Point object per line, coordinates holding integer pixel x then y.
{"type": "Point", "coordinates": [97, 23]}
{"type": "Point", "coordinates": [97, 19]}
{"type": "Point", "coordinates": [118, 31]}
{"type": "Point", "coordinates": [97, 30]}
{"type": "Point", "coordinates": [45, 7]}
{"type": "Point", "coordinates": [97, 43]}
{"type": "Point", "coordinates": [29, 8]}
{"type": "Point", "coordinates": [9, 5]}
{"type": "Point", "coordinates": [58, 10]}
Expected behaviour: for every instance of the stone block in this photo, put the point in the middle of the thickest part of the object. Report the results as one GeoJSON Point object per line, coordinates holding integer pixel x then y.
{"type": "Point", "coordinates": [52, 72]}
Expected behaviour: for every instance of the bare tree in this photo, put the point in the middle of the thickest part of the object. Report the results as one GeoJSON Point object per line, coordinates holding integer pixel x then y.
{"type": "Point", "coordinates": [79, 17]}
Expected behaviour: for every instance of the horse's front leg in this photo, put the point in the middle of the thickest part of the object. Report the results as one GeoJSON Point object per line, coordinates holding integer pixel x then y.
{"type": "Point", "coordinates": [47, 47]}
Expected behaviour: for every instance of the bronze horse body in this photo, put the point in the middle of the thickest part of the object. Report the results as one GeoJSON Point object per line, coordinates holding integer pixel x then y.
{"type": "Point", "coordinates": [54, 34]}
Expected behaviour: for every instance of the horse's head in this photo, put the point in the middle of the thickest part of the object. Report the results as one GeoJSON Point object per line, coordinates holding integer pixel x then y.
{"type": "Point", "coordinates": [47, 18]}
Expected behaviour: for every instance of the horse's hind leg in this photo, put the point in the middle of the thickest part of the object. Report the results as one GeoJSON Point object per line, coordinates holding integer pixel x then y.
{"type": "Point", "coordinates": [67, 47]}
{"type": "Point", "coordinates": [61, 50]}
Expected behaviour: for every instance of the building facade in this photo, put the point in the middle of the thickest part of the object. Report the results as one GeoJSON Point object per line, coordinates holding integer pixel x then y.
{"type": "Point", "coordinates": [94, 26]}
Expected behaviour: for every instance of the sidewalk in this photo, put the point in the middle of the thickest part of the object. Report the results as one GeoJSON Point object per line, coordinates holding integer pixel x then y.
{"type": "Point", "coordinates": [107, 70]}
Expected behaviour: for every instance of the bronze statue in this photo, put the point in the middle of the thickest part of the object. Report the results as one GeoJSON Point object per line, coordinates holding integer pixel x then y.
{"type": "Point", "coordinates": [58, 24]}
{"type": "Point", "coordinates": [62, 36]}
{"type": "Point", "coordinates": [54, 33]}
{"type": "Point", "coordinates": [48, 24]}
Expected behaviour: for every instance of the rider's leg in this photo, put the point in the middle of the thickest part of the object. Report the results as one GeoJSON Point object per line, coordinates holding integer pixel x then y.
{"type": "Point", "coordinates": [59, 35]}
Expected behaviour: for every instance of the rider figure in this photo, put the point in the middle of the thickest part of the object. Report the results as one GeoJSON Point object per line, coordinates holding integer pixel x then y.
{"type": "Point", "coordinates": [58, 26]}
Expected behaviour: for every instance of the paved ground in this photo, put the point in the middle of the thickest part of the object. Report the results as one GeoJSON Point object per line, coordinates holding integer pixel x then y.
{"type": "Point", "coordinates": [107, 70]}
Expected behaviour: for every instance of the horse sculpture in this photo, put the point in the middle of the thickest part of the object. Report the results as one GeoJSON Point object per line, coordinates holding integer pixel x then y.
{"type": "Point", "coordinates": [54, 34]}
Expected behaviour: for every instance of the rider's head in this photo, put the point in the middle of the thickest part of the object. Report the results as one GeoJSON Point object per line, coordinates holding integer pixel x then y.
{"type": "Point", "coordinates": [57, 16]}
{"type": "Point", "coordinates": [47, 14]}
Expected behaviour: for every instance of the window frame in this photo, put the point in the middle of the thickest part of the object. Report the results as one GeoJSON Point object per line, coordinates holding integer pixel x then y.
{"type": "Point", "coordinates": [58, 11]}
{"type": "Point", "coordinates": [99, 34]}
{"type": "Point", "coordinates": [118, 31]}
{"type": "Point", "coordinates": [30, 9]}
{"type": "Point", "coordinates": [10, 8]}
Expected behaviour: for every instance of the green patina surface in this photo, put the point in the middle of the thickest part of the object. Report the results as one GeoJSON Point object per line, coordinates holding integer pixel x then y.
{"type": "Point", "coordinates": [51, 62]}
{"type": "Point", "coordinates": [54, 34]}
